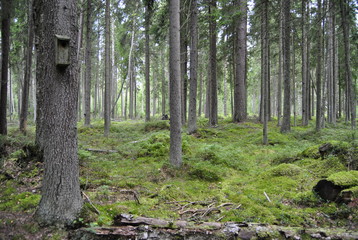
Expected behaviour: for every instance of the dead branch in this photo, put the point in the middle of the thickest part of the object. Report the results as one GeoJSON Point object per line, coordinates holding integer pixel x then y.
{"type": "Point", "coordinates": [101, 150]}
{"type": "Point", "coordinates": [90, 202]}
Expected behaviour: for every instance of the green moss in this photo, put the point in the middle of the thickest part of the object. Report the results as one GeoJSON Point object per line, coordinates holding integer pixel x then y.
{"type": "Point", "coordinates": [284, 169]}
{"type": "Point", "coordinates": [345, 178]}
{"type": "Point", "coordinates": [311, 152]}
{"type": "Point", "coordinates": [156, 126]}
{"type": "Point", "coordinates": [203, 174]}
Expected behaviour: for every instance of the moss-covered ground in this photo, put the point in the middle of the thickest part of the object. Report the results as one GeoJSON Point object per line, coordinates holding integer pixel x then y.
{"type": "Point", "coordinates": [227, 174]}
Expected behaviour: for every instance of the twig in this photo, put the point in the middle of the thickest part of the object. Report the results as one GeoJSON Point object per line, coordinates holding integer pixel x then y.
{"type": "Point", "coordinates": [267, 197]}
{"type": "Point", "coordinates": [135, 194]}
{"type": "Point", "coordinates": [89, 201]}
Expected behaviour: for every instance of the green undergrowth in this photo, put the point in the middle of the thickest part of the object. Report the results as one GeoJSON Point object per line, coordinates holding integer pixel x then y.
{"type": "Point", "coordinates": [227, 174]}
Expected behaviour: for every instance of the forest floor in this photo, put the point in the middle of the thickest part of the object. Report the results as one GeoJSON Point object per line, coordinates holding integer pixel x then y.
{"type": "Point", "coordinates": [227, 176]}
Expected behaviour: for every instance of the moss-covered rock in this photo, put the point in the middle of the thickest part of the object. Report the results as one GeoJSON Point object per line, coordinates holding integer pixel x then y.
{"type": "Point", "coordinates": [344, 179]}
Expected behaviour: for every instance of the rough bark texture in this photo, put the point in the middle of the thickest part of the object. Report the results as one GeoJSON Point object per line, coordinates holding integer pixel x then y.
{"type": "Point", "coordinates": [107, 72]}
{"type": "Point", "coordinates": [347, 66]}
{"type": "Point", "coordinates": [286, 126]}
{"type": "Point", "coordinates": [319, 70]}
{"type": "Point", "coordinates": [27, 77]}
{"type": "Point", "coordinates": [175, 100]}
{"type": "Point", "coordinates": [61, 199]}
{"type": "Point", "coordinates": [213, 113]}
{"type": "Point", "coordinates": [5, 49]}
{"type": "Point", "coordinates": [193, 67]}
{"type": "Point", "coordinates": [147, 62]}
{"type": "Point", "coordinates": [240, 76]}
{"type": "Point", "coordinates": [88, 63]}
{"type": "Point", "coordinates": [305, 90]}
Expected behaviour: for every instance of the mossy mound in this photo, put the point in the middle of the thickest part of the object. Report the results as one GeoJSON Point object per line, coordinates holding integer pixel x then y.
{"type": "Point", "coordinates": [284, 169]}
{"type": "Point", "coordinates": [345, 178]}
{"type": "Point", "coordinates": [156, 126]}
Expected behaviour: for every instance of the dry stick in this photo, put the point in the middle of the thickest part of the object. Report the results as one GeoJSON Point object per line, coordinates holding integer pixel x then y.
{"type": "Point", "coordinates": [89, 201]}
{"type": "Point", "coordinates": [267, 197]}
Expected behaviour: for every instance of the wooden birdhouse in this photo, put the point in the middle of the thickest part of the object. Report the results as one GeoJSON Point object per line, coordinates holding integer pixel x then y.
{"type": "Point", "coordinates": [62, 50]}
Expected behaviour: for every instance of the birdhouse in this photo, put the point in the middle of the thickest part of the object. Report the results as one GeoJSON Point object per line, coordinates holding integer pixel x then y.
{"type": "Point", "coordinates": [62, 48]}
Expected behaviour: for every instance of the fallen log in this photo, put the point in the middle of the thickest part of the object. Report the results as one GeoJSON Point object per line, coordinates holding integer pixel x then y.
{"type": "Point", "coordinates": [154, 229]}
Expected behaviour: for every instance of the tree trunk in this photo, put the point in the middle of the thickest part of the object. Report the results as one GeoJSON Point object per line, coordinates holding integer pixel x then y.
{"type": "Point", "coordinates": [192, 127]}
{"type": "Point", "coordinates": [265, 68]}
{"type": "Point", "coordinates": [280, 70]}
{"type": "Point", "coordinates": [304, 43]}
{"type": "Point", "coordinates": [27, 77]}
{"type": "Point", "coordinates": [88, 63]}
{"type": "Point", "coordinates": [240, 76]}
{"type": "Point", "coordinates": [5, 49]}
{"type": "Point", "coordinates": [174, 61]}
{"type": "Point", "coordinates": [351, 89]}
{"type": "Point", "coordinates": [147, 61]}
{"type": "Point", "coordinates": [107, 72]}
{"type": "Point", "coordinates": [61, 200]}
{"type": "Point", "coordinates": [213, 113]}
{"type": "Point", "coordinates": [319, 70]}
{"type": "Point", "coordinates": [163, 82]}
{"type": "Point", "coordinates": [286, 126]}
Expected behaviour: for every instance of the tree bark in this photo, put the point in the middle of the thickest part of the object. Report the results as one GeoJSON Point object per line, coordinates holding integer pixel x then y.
{"type": "Point", "coordinates": [88, 63]}
{"type": "Point", "coordinates": [351, 89]}
{"type": "Point", "coordinates": [192, 127]}
{"type": "Point", "coordinates": [213, 113]}
{"type": "Point", "coordinates": [27, 77]}
{"type": "Point", "coordinates": [279, 79]}
{"type": "Point", "coordinates": [107, 71]}
{"type": "Point", "coordinates": [304, 73]}
{"type": "Point", "coordinates": [286, 125]}
{"type": "Point", "coordinates": [147, 59]}
{"type": "Point", "coordinates": [174, 61]}
{"type": "Point", "coordinates": [265, 68]}
{"type": "Point", "coordinates": [240, 76]}
{"type": "Point", "coordinates": [61, 200]}
{"type": "Point", "coordinates": [5, 49]}
{"type": "Point", "coordinates": [319, 70]}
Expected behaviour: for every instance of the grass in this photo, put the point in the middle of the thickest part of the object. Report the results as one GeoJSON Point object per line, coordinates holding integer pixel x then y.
{"type": "Point", "coordinates": [225, 165]}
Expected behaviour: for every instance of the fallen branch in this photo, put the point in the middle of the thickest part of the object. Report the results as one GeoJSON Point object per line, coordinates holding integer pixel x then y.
{"type": "Point", "coordinates": [90, 202]}
{"type": "Point", "coordinates": [101, 150]}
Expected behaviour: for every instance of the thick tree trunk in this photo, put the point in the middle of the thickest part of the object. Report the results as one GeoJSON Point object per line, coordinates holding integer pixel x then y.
{"type": "Point", "coordinates": [350, 85]}
{"type": "Point", "coordinates": [304, 73]}
{"type": "Point", "coordinates": [213, 113]}
{"type": "Point", "coordinates": [61, 200]}
{"type": "Point", "coordinates": [286, 126]}
{"type": "Point", "coordinates": [240, 76]}
{"type": "Point", "coordinates": [192, 127]}
{"type": "Point", "coordinates": [175, 100]}
{"type": "Point", "coordinates": [5, 49]}
{"type": "Point", "coordinates": [88, 63]}
{"type": "Point", "coordinates": [27, 77]}
{"type": "Point", "coordinates": [107, 72]}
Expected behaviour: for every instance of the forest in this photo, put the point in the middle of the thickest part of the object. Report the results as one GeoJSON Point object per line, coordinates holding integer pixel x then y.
{"type": "Point", "coordinates": [178, 119]}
